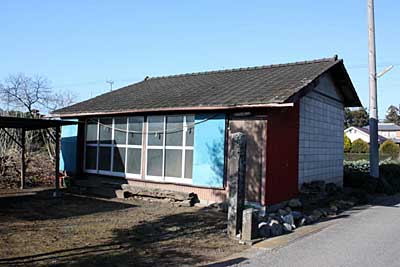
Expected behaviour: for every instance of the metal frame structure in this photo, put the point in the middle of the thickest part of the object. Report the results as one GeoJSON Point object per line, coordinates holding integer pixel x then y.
{"type": "Point", "coordinates": [29, 124]}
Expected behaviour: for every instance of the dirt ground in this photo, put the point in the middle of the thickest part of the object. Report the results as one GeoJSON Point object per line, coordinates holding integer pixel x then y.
{"type": "Point", "coordinates": [39, 230]}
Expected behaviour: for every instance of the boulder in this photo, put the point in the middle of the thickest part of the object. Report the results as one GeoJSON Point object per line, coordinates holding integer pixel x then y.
{"type": "Point", "coordinates": [264, 230]}
{"type": "Point", "coordinates": [287, 228]}
{"type": "Point", "coordinates": [313, 187]}
{"type": "Point", "coordinates": [331, 188]}
{"type": "Point", "coordinates": [324, 212]}
{"type": "Point", "coordinates": [282, 212]}
{"type": "Point", "coordinates": [310, 219]}
{"type": "Point", "coordinates": [317, 214]}
{"type": "Point", "coordinates": [295, 203]}
{"type": "Point", "coordinates": [275, 227]}
{"type": "Point", "coordinates": [297, 215]}
{"type": "Point", "coordinates": [288, 219]}
{"type": "Point", "coordinates": [333, 208]}
{"type": "Point", "coordinates": [299, 218]}
{"type": "Point", "coordinates": [302, 221]}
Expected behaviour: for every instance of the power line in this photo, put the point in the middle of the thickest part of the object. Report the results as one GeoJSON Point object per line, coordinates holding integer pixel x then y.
{"type": "Point", "coordinates": [173, 130]}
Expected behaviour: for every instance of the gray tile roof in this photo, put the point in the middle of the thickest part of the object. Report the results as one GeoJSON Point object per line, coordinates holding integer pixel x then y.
{"type": "Point", "coordinates": [385, 126]}
{"type": "Point", "coordinates": [365, 129]}
{"type": "Point", "coordinates": [256, 86]}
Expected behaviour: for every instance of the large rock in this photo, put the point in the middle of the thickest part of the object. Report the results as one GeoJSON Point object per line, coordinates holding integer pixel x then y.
{"type": "Point", "coordinates": [156, 192]}
{"type": "Point", "coordinates": [270, 229]}
{"type": "Point", "coordinates": [317, 214]}
{"type": "Point", "coordinates": [310, 219]}
{"type": "Point", "coordinates": [331, 188]}
{"type": "Point", "coordinates": [314, 187]}
{"type": "Point", "coordinates": [264, 230]}
{"type": "Point", "coordinates": [288, 219]}
{"type": "Point", "coordinates": [295, 203]}
{"type": "Point", "coordinates": [275, 227]}
{"type": "Point", "coordinates": [287, 228]}
{"type": "Point", "coordinates": [282, 212]}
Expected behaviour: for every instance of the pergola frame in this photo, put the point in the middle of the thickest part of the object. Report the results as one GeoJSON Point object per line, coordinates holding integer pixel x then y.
{"type": "Point", "coordinates": [27, 124]}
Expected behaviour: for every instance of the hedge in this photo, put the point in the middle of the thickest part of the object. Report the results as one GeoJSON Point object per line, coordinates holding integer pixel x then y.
{"type": "Point", "coordinates": [389, 147]}
{"type": "Point", "coordinates": [359, 146]}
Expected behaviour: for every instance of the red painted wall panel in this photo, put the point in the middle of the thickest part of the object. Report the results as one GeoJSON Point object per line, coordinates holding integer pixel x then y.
{"type": "Point", "coordinates": [282, 154]}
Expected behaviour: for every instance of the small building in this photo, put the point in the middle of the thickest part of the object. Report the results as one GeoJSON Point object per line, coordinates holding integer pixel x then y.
{"type": "Point", "coordinates": [386, 131]}
{"type": "Point", "coordinates": [354, 133]}
{"type": "Point", "coordinates": [173, 132]}
{"type": "Point", "coordinates": [389, 131]}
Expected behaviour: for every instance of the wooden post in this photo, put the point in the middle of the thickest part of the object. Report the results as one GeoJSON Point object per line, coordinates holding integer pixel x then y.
{"type": "Point", "coordinates": [23, 158]}
{"type": "Point", "coordinates": [57, 161]}
{"type": "Point", "coordinates": [236, 183]}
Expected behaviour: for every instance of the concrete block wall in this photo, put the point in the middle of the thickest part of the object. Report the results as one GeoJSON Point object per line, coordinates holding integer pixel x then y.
{"type": "Point", "coordinates": [321, 135]}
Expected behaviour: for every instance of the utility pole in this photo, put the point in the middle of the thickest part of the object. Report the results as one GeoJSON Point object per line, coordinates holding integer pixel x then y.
{"type": "Point", "coordinates": [111, 84]}
{"type": "Point", "coordinates": [373, 101]}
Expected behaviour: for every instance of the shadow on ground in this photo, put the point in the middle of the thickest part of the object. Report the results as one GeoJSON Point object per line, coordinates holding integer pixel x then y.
{"type": "Point", "coordinates": [171, 236]}
{"type": "Point", "coordinates": [41, 205]}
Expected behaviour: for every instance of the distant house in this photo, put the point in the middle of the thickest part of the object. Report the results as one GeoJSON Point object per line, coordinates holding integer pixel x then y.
{"type": "Point", "coordinates": [174, 132]}
{"type": "Point", "coordinates": [354, 133]}
{"type": "Point", "coordinates": [390, 131]}
{"type": "Point", "coordinates": [385, 131]}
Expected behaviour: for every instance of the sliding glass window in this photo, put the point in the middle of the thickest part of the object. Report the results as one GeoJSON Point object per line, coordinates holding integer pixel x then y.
{"type": "Point", "coordinates": [114, 146]}
{"type": "Point", "coordinates": [170, 148]}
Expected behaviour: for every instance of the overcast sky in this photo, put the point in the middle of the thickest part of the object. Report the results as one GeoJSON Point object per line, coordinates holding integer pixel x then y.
{"type": "Point", "coordinates": [79, 45]}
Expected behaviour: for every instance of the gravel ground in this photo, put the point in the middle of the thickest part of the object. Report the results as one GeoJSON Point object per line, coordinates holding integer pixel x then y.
{"type": "Point", "coordinates": [38, 230]}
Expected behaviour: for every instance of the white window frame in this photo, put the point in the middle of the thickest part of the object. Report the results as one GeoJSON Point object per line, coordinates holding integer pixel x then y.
{"type": "Point", "coordinates": [92, 145]}
{"type": "Point", "coordinates": [127, 146]}
{"type": "Point", "coordinates": [164, 147]}
{"type": "Point", "coordinates": [112, 146]}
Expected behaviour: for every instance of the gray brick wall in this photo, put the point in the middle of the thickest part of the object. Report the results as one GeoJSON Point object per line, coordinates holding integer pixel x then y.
{"type": "Point", "coordinates": [321, 134]}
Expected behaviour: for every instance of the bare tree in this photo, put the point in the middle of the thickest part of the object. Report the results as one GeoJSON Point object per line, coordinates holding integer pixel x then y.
{"type": "Point", "coordinates": [31, 94]}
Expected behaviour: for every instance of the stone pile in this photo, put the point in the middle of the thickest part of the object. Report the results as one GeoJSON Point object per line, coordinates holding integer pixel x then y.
{"type": "Point", "coordinates": [285, 217]}
{"type": "Point", "coordinates": [283, 221]}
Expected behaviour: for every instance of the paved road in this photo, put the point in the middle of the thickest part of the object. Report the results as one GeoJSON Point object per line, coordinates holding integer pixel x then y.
{"type": "Point", "coordinates": [370, 237]}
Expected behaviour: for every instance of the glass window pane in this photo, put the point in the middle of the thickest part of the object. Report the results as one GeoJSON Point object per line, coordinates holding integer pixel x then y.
{"type": "Point", "coordinates": [119, 159]}
{"type": "Point", "coordinates": [105, 129]}
{"type": "Point", "coordinates": [134, 160]}
{"type": "Point", "coordinates": [105, 158]}
{"type": "Point", "coordinates": [154, 162]}
{"type": "Point", "coordinates": [91, 131]}
{"type": "Point", "coordinates": [156, 128]}
{"type": "Point", "coordinates": [188, 163]}
{"type": "Point", "coordinates": [174, 130]}
{"type": "Point", "coordinates": [135, 125]}
{"type": "Point", "coordinates": [173, 163]}
{"type": "Point", "coordinates": [120, 130]}
{"type": "Point", "coordinates": [91, 157]}
{"type": "Point", "coordinates": [190, 130]}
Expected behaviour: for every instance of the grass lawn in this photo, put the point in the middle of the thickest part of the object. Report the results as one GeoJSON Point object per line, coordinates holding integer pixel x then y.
{"type": "Point", "coordinates": [38, 230]}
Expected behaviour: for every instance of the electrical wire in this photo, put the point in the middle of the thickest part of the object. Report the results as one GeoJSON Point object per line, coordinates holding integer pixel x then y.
{"type": "Point", "coordinates": [173, 130]}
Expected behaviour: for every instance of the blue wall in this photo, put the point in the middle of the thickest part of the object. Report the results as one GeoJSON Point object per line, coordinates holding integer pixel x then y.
{"type": "Point", "coordinates": [209, 144]}
{"type": "Point", "coordinates": [68, 148]}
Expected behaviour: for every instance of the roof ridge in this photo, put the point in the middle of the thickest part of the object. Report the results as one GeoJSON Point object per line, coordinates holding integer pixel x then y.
{"type": "Point", "coordinates": [304, 62]}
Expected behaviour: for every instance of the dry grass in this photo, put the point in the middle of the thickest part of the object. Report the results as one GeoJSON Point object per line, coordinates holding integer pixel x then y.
{"type": "Point", "coordinates": [38, 230]}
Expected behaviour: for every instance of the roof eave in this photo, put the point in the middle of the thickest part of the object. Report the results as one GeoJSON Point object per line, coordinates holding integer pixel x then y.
{"type": "Point", "coordinates": [171, 109]}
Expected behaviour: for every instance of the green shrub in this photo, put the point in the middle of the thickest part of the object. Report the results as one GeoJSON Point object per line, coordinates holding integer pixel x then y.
{"type": "Point", "coordinates": [347, 144]}
{"type": "Point", "coordinates": [359, 146]}
{"type": "Point", "coordinates": [390, 148]}
{"type": "Point", "coordinates": [356, 175]}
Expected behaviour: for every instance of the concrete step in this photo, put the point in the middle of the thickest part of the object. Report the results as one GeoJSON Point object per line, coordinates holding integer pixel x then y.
{"type": "Point", "coordinates": [97, 186]}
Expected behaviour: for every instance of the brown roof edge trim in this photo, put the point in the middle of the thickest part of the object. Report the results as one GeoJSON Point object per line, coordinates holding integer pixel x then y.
{"type": "Point", "coordinates": [209, 108]}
